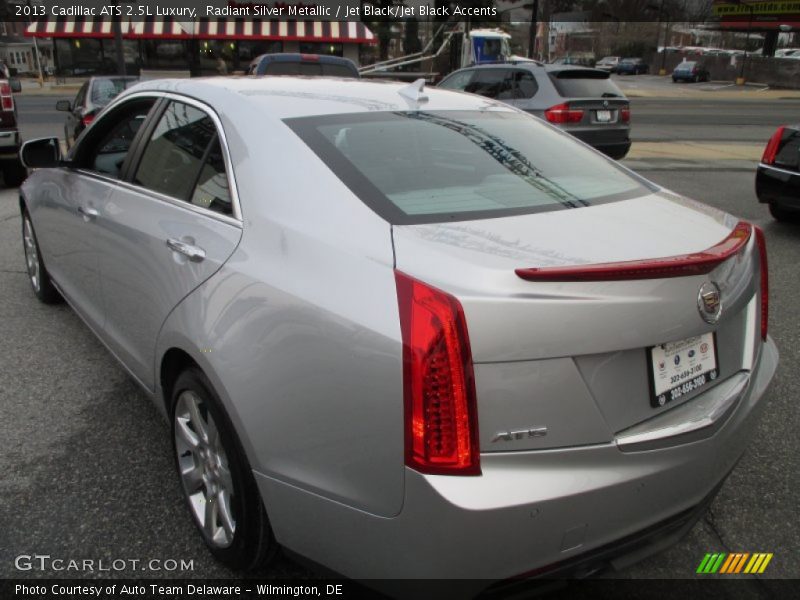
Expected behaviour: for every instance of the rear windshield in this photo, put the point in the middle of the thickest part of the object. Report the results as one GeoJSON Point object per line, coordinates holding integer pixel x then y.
{"type": "Point", "coordinates": [686, 65]}
{"type": "Point", "coordinates": [585, 84]}
{"type": "Point", "coordinates": [428, 167]}
{"type": "Point", "coordinates": [105, 90]}
{"type": "Point", "coordinates": [309, 68]}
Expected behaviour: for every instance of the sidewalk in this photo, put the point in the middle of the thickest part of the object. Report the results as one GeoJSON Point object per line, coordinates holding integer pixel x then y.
{"type": "Point", "coordinates": [68, 86]}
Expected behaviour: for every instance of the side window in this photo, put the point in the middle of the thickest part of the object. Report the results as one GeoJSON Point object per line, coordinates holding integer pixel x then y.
{"type": "Point", "coordinates": [212, 191]}
{"type": "Point", "coordinates": [111, 138]}
{"type": "Point", "coordinates": [492, 83]}
{"type": "Point", "coordinates": [81, 96]}
{"type": "Point", "coordinates": [176, 150]}
{"type": "Point", "coordinates": [525, 84]}
{"type": "Point", "coordinates": [457, 81]}
{"type": "Point", "coordinates": [183, 159]}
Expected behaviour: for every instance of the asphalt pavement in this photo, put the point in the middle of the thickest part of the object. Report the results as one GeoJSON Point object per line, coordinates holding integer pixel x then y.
{"type": "Point", "coordinates": [86, 459]}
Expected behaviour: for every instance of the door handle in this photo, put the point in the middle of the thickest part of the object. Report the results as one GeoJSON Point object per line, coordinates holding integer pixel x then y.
{"type": "Point", "coordinates": [194, 253]}
{"type": "Point", "coordinates": [88, 214]}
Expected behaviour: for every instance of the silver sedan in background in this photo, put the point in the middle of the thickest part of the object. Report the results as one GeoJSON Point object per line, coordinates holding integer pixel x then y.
{"type": "Point", "coordinates": [406, 332]}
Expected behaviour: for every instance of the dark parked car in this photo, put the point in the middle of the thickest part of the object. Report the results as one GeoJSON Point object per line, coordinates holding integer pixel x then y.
{"type": "Point", "coordinates": [584, 102]}
{"type": "Point", "coordinates": [303, 64]}
{"type": "Point", "coordinates": [690, 71]}
{"type": "Point", "coordinates": [91, 98]}
{"type": "Point", "coordinates": [778, 175]}
{"type": "Point", "coordinates": [632, 66]}
{"type": "Point", "coordinates": [14, 172]}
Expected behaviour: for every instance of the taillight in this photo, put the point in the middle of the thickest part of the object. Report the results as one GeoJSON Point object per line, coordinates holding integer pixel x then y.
{"type": "Point", "coordinates": [762, 252]}
{"type": "Point", "coordinates": [441, 429]}
{"type": "Point", "coordinates": [625, 115]}
{"type": "Point", "coordinates": [562, 113]}
{"type": "Point", "coordinates": [87, 119]}
{"type": "Point", "coordinates": [6, 99]}
{"type": "Point", "coordinates": [773, 145]}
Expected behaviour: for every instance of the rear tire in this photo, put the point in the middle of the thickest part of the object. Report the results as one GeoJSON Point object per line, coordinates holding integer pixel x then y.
{"type": "Point", "coordinates": [40, 281]}
{"type": "Point", "coordinates": [218, 484]}
{"type": "Point", "coordinates": [782, 214]}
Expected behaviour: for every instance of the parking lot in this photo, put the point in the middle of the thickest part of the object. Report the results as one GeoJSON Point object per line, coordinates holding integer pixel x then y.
{"type": "Point", "coordinates": [88, 462]}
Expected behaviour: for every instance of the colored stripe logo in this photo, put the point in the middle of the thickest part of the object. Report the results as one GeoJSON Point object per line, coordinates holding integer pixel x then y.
{"type": "Point", "coordinates": [734, 563]}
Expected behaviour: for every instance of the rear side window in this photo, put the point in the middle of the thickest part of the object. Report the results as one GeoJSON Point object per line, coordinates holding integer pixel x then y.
{"type": "Point", "coordinates": [577, 83]}
{"type": "Point", "coordinates": [177, 148]}
{"type": "Point", "coordinates": [105, 90]}
{"type": "Point", "coordinates": [212, 191]}
{"type": "Point", "coordinates": [789, 154]}
{"type": "Point", "coordinates": [427, 167]}
{"type": "Point", "coordinates": [492, 83]}
{"type": "Point", "coordinates": [457, 81]}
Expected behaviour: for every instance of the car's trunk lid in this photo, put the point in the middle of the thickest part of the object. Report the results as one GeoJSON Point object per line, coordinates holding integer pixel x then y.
{"type": "Point", "coordinates": [588, 339]}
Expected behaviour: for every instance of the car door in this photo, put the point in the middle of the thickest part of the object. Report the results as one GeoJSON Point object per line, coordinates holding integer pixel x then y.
{"type": "Point", "coordinates": [169, 227]}
{"type": "Point", "coordinates": [69, 206]}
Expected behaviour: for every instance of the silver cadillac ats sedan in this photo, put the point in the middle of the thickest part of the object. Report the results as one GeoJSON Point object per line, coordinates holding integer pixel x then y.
{"type": "Point", "coordinates": [406, 332]}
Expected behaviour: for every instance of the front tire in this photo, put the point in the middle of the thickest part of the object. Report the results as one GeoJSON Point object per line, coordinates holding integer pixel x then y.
{"type": "Point", "coordinates": [42, 286]}
{"type": "Point", "coordinates": [217, 481]}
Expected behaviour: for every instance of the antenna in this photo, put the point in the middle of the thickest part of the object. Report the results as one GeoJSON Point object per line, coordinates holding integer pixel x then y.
{"type": "Point", "coordinates": [414, 91]}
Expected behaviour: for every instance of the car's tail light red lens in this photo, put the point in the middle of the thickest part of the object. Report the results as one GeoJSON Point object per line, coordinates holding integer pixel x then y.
{"type": "Point", "coordinates": [6, 98]}
{"type": "Point", "coordinates": [562, 113]}
{"type": "Point", "coordinates": [87, 119]}
{"type": "Point", "coordinates": [441, 426]}
{"type": "Point", "coordinates": [625, 115]}
{"type": "Point", "coordinates": [683, 265]}
{"type": "Point", "coordinates": [762, 251]}
{"type": "Point", "coordinates": [773, 145]}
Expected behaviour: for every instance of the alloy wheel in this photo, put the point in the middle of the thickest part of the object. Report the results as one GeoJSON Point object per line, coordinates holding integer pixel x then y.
{"type": "Point", "coordinates": [204, 469]}
{"type": "Point", "coordinates": [31, 253]}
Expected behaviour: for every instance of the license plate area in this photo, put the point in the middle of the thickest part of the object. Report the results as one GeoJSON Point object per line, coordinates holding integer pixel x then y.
{"type": "Point", "coordinates": [679, 368]}
{"type": "Point", "coordinates": [602, 116]}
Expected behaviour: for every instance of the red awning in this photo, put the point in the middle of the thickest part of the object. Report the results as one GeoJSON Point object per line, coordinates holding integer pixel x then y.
{"type": "Point", "coordinates": [225, 29]}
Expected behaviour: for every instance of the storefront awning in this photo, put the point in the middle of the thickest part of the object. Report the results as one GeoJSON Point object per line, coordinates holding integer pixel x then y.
{"type": "Point", "coordinates": [219, 29]}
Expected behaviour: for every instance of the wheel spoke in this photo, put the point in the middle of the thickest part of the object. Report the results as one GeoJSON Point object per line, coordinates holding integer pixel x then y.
{"type": "Point", "coordinates": [186, 434]}
{"type": "Point", "coordinates": [197, 420]}
{"type": "Point", "coordinates": [192, 478]}
{"type": "Point", "coordinates": [225, 479]}
{"type": "Point", "coordinates": [210, 516]}
{"type": "Point", "coordinates": [224, 510]}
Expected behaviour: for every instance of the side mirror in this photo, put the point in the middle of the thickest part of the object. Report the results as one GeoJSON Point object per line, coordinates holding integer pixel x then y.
{"type": "Point", "coordinates": [43, 153]}
{"type": "Point", "coordinates": [64, 105]}
{"type": "Point", "coordinates": [15, 85]}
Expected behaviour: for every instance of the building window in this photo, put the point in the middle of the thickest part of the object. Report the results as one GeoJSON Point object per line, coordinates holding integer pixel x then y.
{"type": "Point", "coordinates": [332, 49]}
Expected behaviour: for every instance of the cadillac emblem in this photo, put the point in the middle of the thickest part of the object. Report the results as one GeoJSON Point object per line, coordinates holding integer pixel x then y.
{"type": "Point", "coordinates": [709, 302]}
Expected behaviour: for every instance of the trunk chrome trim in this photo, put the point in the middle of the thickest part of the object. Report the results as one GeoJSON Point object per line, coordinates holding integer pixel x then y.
{"type": "Point", "coordinates": [702, 415]}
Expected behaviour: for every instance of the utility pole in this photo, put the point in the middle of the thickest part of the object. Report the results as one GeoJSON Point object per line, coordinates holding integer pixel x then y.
{"type": "Point", "coordinates": [533, 27]}
{"type": "Point", "coordinates": [116, 24]}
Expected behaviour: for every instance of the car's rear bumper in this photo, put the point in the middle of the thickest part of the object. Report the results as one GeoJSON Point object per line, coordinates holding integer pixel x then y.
{"type": "Point", "coordinates": [778, 186]}
{"type": "Point", "coordinates": [613, 141]}
{"type": "Point", "coordinates": [527, 510]}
